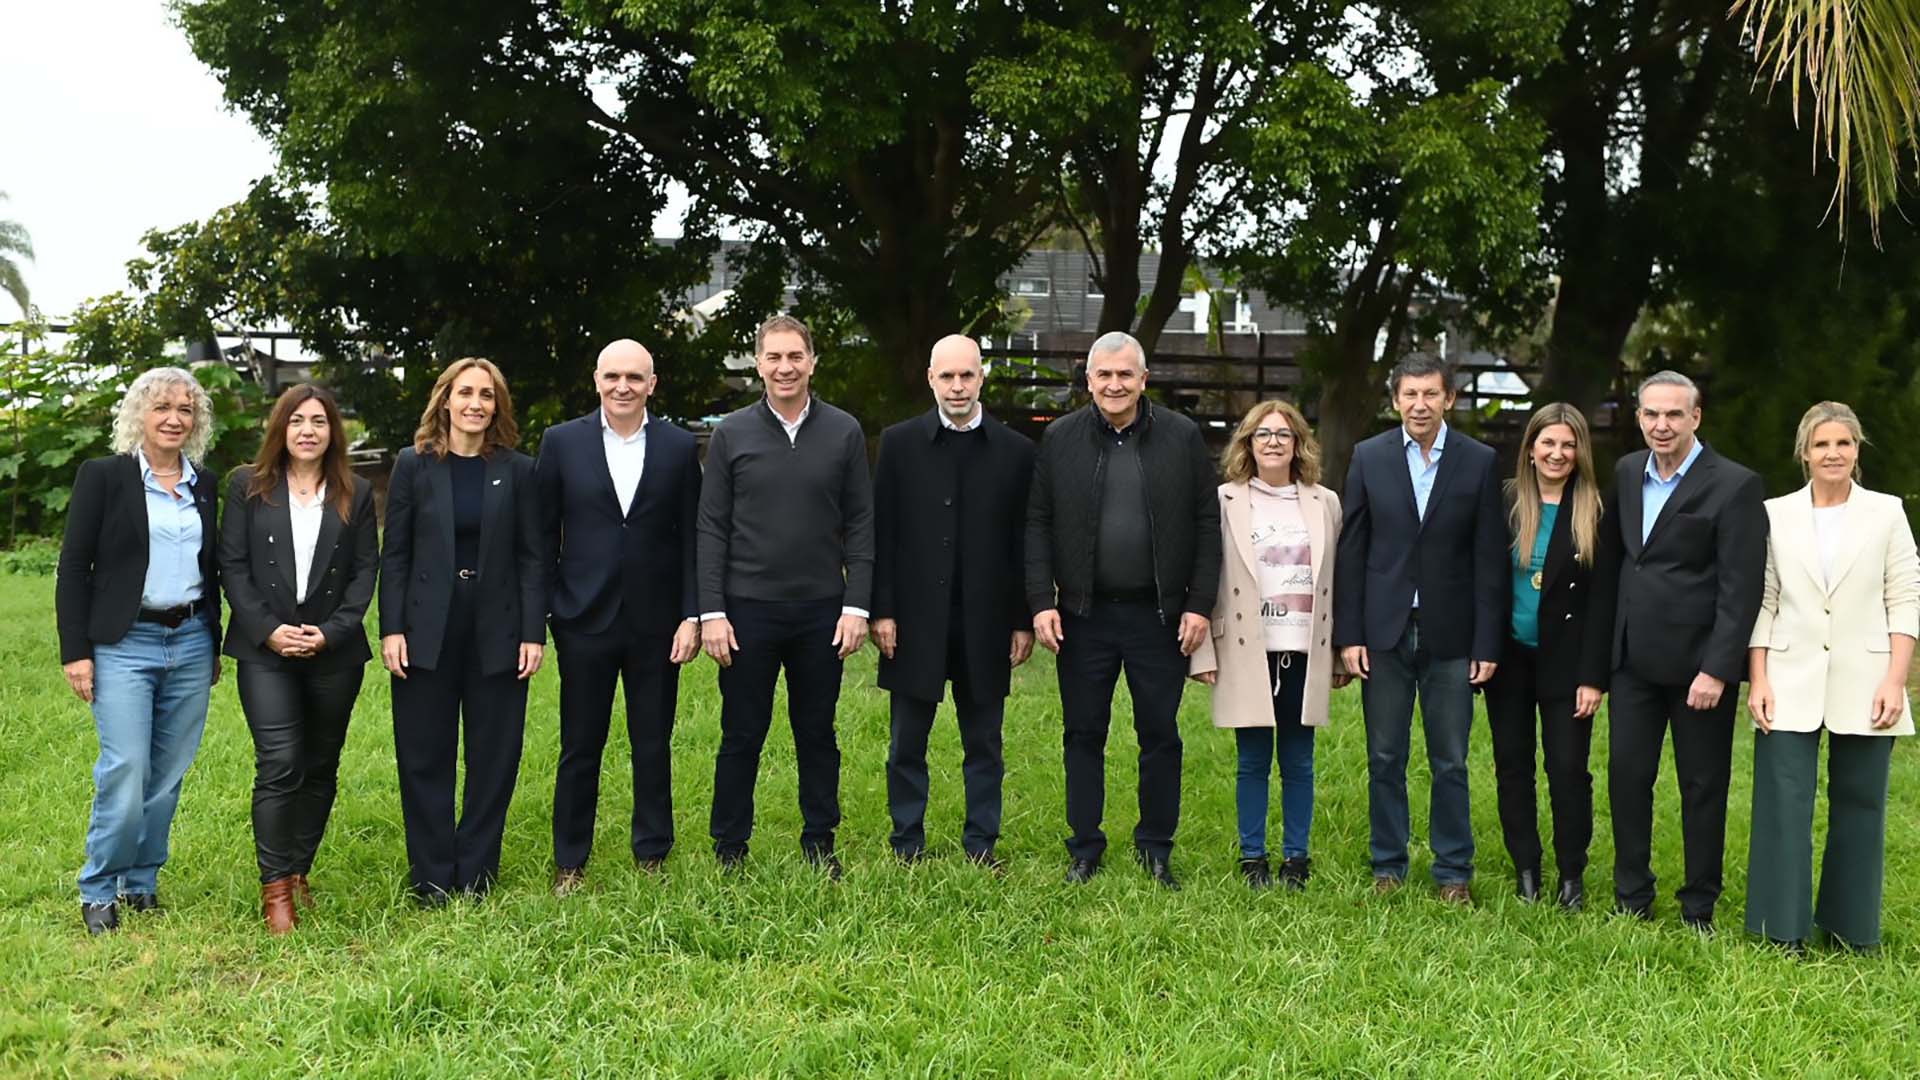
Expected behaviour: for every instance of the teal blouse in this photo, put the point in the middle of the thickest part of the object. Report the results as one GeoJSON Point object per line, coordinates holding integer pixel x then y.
{"type": "Point", "coordinates": [1526, 598]}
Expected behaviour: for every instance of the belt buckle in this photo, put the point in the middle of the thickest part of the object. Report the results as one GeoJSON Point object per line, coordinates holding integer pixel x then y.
{"type": "Point", "coordinates": [467, 575]}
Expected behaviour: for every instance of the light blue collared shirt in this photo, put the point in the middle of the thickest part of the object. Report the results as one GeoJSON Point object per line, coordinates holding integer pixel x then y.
{"type": "Point", "coordinates": [1419, 469]}
{"type": "Point", "coordinates": [1654, 492]}
{"type": "Point", "coordinates": [173, 538]}
{"type": "Point", "coordinates": [1422, 472]}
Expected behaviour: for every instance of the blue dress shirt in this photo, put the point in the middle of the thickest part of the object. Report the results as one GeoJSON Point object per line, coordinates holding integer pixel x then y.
{"type": "Point", "coordinates": [173, 538]}
{"type": "Point", "coordinates": [1654, 492]}
{"type": "Point", "coordinates": [1422, 472]}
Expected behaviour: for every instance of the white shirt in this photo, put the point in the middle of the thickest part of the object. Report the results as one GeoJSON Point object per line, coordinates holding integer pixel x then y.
{"type": "Point", "coordinates": [1829, 524]}
{"type": "Point", "coordinates": [306, 536]}
{"type": "Point", "coordinates": [1422, 472]}
{"type": "Point", "coordinates": [979, 417]}
{"type": "Point", "coordinates": [626, 458]}
{"type": "Point", "coordinates": [792, 429]}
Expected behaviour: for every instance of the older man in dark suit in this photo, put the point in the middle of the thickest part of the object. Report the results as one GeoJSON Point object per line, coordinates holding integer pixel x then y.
{"type": "Point", "coordinates": [1420, 605]}
{"type": "Point", "coordinates": [950, 501]}
{"type": "Point", "coordinates": [620, 490]}
{"type": "Point", "coordinates": [1677, 583]}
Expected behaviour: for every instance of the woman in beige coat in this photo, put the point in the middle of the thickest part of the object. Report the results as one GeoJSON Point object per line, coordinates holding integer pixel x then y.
{"type": "Point", "coordinates": [1270, 657]}
{"type": "Point", "coordinates": [1839, 613]}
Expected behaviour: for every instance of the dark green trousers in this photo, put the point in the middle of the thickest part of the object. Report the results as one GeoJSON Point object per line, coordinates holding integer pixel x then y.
{"type": "Point", "coordinates": [1786, 768]}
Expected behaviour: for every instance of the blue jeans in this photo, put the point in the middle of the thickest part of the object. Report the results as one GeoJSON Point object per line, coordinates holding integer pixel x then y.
{"type": "Point", "coordinates": [150, 693]}
{"type": "Point", "coordinates": [1446, 714]}
{"type": "Point", "coordinates": [1292, 742]}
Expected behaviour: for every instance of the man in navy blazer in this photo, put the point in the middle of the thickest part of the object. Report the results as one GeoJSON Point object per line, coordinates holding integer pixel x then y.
{"type": "Point", "coordinates": [1420, 606]}
{"type": "Point", "coordinates": [620, 490]}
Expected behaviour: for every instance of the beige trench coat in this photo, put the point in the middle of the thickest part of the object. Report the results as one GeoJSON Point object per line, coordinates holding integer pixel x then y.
{"type": "Point", "coordinates": [1827, 645]}
{"type": "Point", "coordinates": [1236, 648]}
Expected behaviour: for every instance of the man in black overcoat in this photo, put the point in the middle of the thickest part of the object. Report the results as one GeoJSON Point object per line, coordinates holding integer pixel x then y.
{"type": "Point", "coordinates": [950, 497]}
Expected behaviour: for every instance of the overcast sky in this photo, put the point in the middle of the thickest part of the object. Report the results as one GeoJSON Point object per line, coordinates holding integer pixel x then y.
{"type": "Point", "coordinates": [109, 128]}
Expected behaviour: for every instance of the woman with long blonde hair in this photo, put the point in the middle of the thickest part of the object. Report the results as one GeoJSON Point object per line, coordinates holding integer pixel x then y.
{"type": "Point", "coordinates": [1554, 516]}
{"type": "Point", "coordinates": [463, 608]}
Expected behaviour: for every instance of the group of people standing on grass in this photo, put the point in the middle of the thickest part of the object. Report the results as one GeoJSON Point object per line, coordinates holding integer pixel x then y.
{"type": "Point", "coordinates": [1111, 544]}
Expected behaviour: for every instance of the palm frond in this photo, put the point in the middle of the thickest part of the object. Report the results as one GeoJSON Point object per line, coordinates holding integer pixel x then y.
{"type": "Point", "coordinates": [1858, 62]}
{"type": "Point", "coordinates": [14, 240]}
{"type": "Point", "coordinates": [14, 285]}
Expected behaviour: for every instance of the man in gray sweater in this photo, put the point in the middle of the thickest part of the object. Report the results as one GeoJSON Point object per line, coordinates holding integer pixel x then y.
{"type": "Point", "coordinates": [786, 569]}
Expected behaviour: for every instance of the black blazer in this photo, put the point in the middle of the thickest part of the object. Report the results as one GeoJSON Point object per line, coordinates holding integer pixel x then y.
{"type": "Point", "coordinates": [417, 568]}
{"type": "Point", "coordinates": [256, 567]}
{"type": "Point", "coordinates": [927, 516]}
{"type": "Point", "coordinates": [637, 567]}
{"type": "Point", "coordinates": [1684, 602]}
{"type": "Point", "coordinates": [1456, 557]}
{"type": "Point", "coordinates": [103, 559]}
{"type": "Point", "coordinates": [1566, 589]}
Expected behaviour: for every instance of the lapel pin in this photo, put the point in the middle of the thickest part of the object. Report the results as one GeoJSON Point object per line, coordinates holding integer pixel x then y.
{"type": "Point", "coordinates": [496, 483]}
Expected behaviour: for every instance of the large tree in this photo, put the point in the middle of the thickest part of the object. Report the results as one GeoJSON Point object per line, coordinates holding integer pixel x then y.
{"type": "Point", "coordinates": [1153, 107]}
{"type": "Point", "coordinates": [1401, 181]}
{"type": "Point", "coordinates": [1627, 99]}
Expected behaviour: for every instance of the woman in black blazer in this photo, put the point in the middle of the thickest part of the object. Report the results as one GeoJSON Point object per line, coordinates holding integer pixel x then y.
{"type": "Point", "coordinates": [1554, 513]}
{"type": "Point", "coordinates": [298, 555]}
{"type": "Point", "coordinates": [137, 603]}
{"type": "Point", "coordinates": [463, 607]}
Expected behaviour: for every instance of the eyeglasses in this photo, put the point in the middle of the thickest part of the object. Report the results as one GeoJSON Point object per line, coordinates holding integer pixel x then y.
{"type": "Point", "coordinates": [1281, 436]}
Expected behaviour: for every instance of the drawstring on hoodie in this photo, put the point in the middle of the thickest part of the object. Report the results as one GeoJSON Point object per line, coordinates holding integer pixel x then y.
{"type": "Point", "coordinates": [1279, 667]}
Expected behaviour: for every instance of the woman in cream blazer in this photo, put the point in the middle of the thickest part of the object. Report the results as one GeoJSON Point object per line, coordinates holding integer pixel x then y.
{"type": "Point", "coordinates": [1838, 618]}
{"type": "Point", "coordinates": [1270, 656]}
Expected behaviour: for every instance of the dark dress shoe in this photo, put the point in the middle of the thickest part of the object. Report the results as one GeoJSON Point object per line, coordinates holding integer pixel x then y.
{"type": "Point", "coordinates": [1295, 871]}
{"type": "Point", "coordinates": [731, 859]}
{"type": "Point", "coordinates": [1258, 874]}
{"type": "Point", "coordinates": [1526, 885]}
{"type": "Point", "coordinates": [1160, 870]}
{"type": "Point", "coordinates": [1643, 912]}
{"type": "Point", "coordinates": [1081, 871]}
{"type": "Point", "coordinates": [100, 918]}
{"type": "Point", "coordinates": [568, 880]}
{"type": "Point", "coordinates": [826, 862]}
{"type": "Point", "coordinates": [1573, 894]}
{"type": "Point", "coordinates": [431, 899]}
{"type": "Point", "coordinates": [985, 859]}
{"type": "Point", "coordinates": [1699, 924]}
{"type": "Point", "coordinates": [146, 903]}
{"type": "Point", "coordinates": [909, 856]}
{"type": "Point", "coordinates": [651, 864]}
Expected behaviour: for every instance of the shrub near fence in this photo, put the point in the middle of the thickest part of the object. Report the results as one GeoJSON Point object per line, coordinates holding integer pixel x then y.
{"type": "Point", "coordinates": [59, 412]}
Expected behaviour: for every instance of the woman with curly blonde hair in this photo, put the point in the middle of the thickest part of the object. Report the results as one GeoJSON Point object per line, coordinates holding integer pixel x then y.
{"type": "Point", "coordinates": [137, 603]}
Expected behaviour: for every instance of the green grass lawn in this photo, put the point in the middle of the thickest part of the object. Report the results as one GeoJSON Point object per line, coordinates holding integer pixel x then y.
{"type": "Point", "coordinates": [937, 969]}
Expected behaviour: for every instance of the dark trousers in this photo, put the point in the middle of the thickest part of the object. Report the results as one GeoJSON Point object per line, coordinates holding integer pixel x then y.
{"type": "Point", "coordinates": [982, 768]}
{"type": "Point", "coordinates": [1513, 697]}
{"type": "Point", "coordinates": [1780, 903]}
{"type": "Point", "coordinates": [1446, 716]}
{"type": "Point", "coordinates": [299, 723]}
{"type": "Point", "coordinates": [428, 712]}
{"type": "Point", "coordinates": [1638, 719]}
{"type": "Point", "coordinates": [590, 665]}
{"type": "Point", "coordinates": [796, 636]}
{"type": "Point", "coordinates": [1095, 649]}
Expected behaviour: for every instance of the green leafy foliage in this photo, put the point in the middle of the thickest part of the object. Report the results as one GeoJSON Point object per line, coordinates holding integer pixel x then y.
{"type": "Point", "coordinates": [61, 405]}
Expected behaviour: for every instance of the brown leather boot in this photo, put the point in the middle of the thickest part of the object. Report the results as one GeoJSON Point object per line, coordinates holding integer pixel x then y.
{"type": "Point", "coordinates": [276, 904]}
{"type": "Point", "coordinates": [302, 892]}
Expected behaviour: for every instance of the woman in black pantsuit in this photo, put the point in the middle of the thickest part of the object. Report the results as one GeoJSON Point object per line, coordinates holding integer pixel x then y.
{"type": "Point", "coordinates": [1554, 512]}
{"type": "Point", "coordinates": [299, 550]}
{"type": "Point", "coordinates": [463, 607]}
